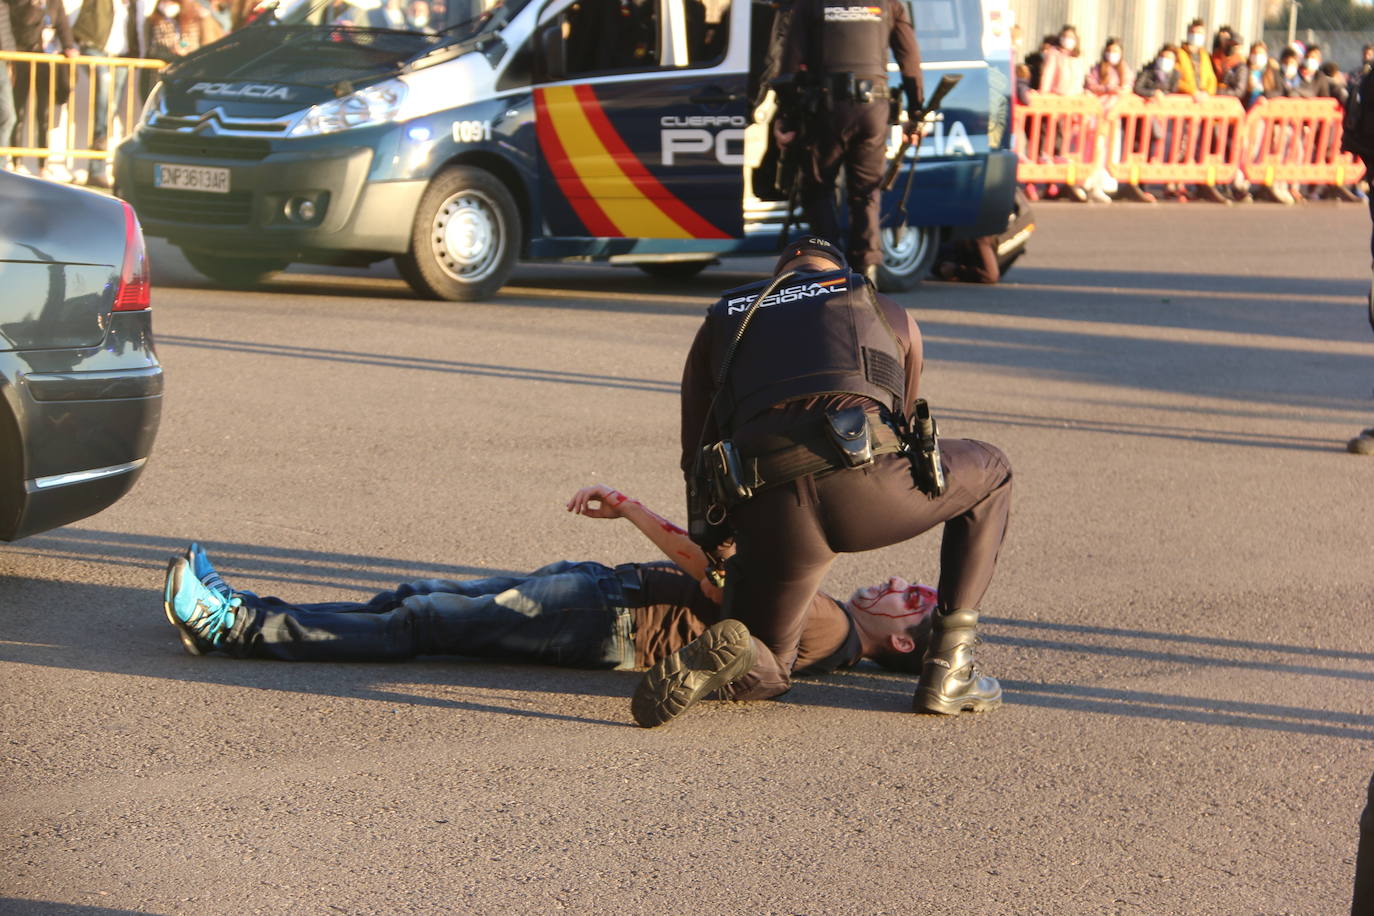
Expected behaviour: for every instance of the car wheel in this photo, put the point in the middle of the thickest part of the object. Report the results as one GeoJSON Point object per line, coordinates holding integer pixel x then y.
{"type": "Point", "coordinates": [907, 258]}
{"type": "Point", "coordinates": [235, 273]}
{"type": "Point", "coordinates": [465, 238]}
{"type": "Point", "coordinates": [675, 270]}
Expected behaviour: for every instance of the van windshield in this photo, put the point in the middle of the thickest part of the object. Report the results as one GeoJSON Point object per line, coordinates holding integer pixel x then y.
{"type": "Point", "coordinates": [454, 19]}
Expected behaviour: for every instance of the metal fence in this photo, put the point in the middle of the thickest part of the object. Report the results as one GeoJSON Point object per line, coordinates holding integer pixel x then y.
{"type": "Point", "coordinates": [57, 98]}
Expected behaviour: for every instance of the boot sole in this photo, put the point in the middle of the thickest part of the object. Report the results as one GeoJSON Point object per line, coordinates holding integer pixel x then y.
{"type": "Point", "coordinates": [192, 643]}
{"type": "Point", "coordinates": [670, 688]}
{"type": "Point", "coordinates": [934, 704]}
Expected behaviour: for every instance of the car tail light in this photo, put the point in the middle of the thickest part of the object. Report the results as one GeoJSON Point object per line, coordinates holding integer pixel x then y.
{"type": "Point", "coordinates": [135, 290]}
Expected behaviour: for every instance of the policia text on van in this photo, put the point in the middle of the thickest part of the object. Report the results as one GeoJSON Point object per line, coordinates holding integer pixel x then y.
{"type": "Point", "coordinates": [629, 130]}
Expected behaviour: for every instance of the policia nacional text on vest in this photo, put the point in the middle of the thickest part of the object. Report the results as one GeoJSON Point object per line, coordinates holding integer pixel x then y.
{"type": "Point", "coordinates": [797, 336]}
{"type": "Point", "coordinates": [848, 45]}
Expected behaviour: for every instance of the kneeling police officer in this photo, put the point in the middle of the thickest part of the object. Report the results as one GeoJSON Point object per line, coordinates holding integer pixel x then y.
{"type": "Point", "coordinates": [803, 437]}
{"type": "Point", "coordinates": [836, 53]}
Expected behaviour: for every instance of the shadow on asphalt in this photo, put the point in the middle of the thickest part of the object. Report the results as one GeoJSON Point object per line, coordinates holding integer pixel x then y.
{"type": "Point", "coordinates": [123, 631]}
{"type": "Point", "coordinates": [533, 285]}
{"type": "Point", "coordinates": [1145, 430]}
{"type": "Point", "coordinates": [111, 630]}
{"type": "Point", "coordinates": [416, 363]}
{"type": "Point", "coordinates": [1188, 283]}
{"type": "Point", "coordinates": [1097, 358]}
{"type": "Point", "coordinates": [49, 908]}
{"type": "Point", "coordinates": [1250, 371]}
{"type": "Point", "coordinates": [239, 560]}
{"type": "Point", "coordinates": [868, 688]}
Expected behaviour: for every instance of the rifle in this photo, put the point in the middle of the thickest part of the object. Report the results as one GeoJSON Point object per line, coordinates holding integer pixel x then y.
{"type": "Point", "coordinates": [796, 104]}
{"type": "Point", "coordinates": [789, 179]}
{"type": "Point", "coordinates": [913, 138]}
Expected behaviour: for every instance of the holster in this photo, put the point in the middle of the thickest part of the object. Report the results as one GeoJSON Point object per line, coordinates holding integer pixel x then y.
{"type": "Point", "coordinates": [848, 429]}
{"type": "Point", "coordinates": [706, 521]}
{"type": "Point", "coordinates": [846, 87]}
{"type": "Point", "coordinates": [722, 481]}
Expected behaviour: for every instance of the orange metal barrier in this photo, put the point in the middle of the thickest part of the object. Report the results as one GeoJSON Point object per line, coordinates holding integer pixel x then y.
{"type": "Point", "coordinates": [1178, 139]}
{"type": "Point", "coordinates": [1175, 139]}
{"type": "Point", "coordinates": [47, 83]}
{"type": "Point", "coordinates": [1056, 137]}
{"type": "Point", "coordinates": [1298, 140]}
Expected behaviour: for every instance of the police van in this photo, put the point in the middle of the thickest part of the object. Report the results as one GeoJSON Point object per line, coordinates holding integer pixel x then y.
{"type": "Point", "coordinates": [456, 137]}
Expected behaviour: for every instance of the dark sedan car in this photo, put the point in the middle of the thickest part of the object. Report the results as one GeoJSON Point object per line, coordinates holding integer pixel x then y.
{"type": "Point", "coordinates": [80, 384]}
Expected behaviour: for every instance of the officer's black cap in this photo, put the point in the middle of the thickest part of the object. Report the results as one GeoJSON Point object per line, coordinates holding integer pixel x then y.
{"type": "Point", "coordinates": [805, 243]}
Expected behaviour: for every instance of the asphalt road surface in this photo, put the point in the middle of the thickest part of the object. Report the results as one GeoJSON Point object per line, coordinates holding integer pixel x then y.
{"type": "Point", "coordinates": [1181, 618]}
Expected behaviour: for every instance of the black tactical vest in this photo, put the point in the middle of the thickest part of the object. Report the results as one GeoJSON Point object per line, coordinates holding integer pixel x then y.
{"type": "Point", "coordinates": [821, 333]}
{"type": "Point", "coordinates": [852, 37]}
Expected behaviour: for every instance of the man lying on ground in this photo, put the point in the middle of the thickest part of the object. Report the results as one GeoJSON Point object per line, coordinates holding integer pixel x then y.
{"type": "Point", "coordinates": [577, 615]}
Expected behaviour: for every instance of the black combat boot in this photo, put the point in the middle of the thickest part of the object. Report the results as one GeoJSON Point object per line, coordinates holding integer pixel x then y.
{"type": "Point", "coordinates": [721, 654]}
{"type": "Point", "coordinates": [950, 682]}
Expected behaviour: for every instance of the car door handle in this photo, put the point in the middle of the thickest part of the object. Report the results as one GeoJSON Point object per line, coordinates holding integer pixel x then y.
{"type": "Point", "coordinates": [714, 96]}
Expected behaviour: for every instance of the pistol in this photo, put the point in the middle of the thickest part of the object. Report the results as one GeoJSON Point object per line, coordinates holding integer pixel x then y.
{"type": "Point", "coordinates": [925, 439]}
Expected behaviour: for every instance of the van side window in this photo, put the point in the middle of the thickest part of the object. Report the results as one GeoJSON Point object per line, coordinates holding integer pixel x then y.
{"type": "Point", "coordinates": [610, 35]}
{"type": "Point", "coordinates": [708, 30]}
{"type": "Point", "coordinates": [948, 29]}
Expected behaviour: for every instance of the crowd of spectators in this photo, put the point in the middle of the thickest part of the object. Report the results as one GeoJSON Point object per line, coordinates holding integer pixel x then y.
{"type": "Point", "coordinates": [1229, 68]}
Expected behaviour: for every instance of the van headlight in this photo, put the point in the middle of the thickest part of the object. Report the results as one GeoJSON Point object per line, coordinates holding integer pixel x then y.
{"type": "Point", "coordinates": [374, 105]}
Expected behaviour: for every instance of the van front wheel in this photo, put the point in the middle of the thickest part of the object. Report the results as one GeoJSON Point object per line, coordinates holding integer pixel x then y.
{"type": "Point", "coordinates": [465, 238]}
{"type": "Point", "coordinates": [907, 257]}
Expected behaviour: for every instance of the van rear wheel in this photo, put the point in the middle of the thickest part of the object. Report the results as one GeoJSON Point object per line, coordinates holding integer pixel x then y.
{"type": "Point", "coordinates": [465, 239]}
{"type": "Point", "coordinates": [235, 273]}
{"type": "Point", "coordinates": [907, 257]}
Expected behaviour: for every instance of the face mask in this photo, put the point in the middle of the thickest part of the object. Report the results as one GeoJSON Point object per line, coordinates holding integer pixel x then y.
{"type": "Point", "coordinates": [1258, 61]}
{"type": "Point", "coordinates": [420, 21]}
{"type": "Point", "coordinates": [1311, 64]}
{"type": "Point", "coordinates": [1290, 71]}
{"type": "Point", "coordinates": [1165, 64]}
{"type": "Point", "coordinates": [1195, 39]}
{"type": "Point", "coordinates": [1068, 43]}
{"type": "Point", "coordinates": [170, 10]}
{"type": "Point", "coordinates": [1113, 57]}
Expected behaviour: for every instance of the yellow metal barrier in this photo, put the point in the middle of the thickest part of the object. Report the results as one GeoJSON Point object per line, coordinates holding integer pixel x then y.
{"type": "Point", "coordinates": [45, 83]}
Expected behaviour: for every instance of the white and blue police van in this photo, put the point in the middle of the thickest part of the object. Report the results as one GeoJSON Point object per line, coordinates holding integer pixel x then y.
{"type": "Point", "coordinates": [458, 137]}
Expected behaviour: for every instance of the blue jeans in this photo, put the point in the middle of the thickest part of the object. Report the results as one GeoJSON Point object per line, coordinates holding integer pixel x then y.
{"type": "Point", "coordinates": [569, 614]}
{"type": "Point", "coordinates": [7, 116]}
{"type": "Point", "coordinates": [101, 112]}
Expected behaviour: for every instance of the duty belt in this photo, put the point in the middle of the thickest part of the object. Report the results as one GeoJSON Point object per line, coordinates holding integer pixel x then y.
{"type": "Point", "coordinates": [813, 452]}
{"type": "Point", "coordinates": [846, 87]}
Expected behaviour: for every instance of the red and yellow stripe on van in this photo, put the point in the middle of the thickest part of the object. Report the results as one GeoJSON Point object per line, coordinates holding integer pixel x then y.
{"type": "Point", "coordinates": [611, 191]}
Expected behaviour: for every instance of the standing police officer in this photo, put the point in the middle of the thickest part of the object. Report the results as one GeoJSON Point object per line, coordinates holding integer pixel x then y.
{"type": "Point", "coordinates": [801, 388]}
{"type": "Point", "coordinates": [839, 48]}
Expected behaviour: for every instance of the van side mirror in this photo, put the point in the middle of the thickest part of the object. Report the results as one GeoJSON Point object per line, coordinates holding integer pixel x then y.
{"type": "Point", "coordinates": [551, 65]}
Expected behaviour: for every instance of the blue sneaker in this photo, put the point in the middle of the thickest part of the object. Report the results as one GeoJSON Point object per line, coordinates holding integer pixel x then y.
{"type": "Point", "coordinates": [202, 617]}
{"type": "Point", "coordinates": [202, 570]}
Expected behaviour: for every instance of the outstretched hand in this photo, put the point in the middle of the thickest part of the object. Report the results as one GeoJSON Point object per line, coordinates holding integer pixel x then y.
{"type": "Point", "coordinates": [598, 501]}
